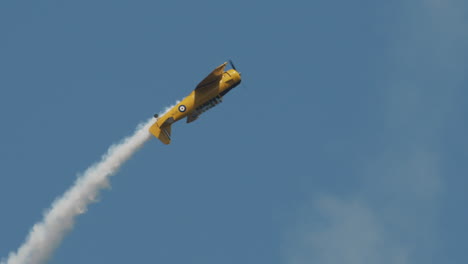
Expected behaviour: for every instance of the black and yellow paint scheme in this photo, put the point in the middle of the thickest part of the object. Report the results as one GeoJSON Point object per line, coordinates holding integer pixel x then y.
{"type": "Point", "coordinates": [206, 95]}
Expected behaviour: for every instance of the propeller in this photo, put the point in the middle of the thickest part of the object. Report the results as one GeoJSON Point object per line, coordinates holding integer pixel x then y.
{"type": "Point", "coordinates": [232, 65]}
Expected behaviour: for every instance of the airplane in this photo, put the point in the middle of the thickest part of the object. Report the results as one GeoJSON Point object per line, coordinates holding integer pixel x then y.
{"type": "Point", "coordinates": [208, 93]}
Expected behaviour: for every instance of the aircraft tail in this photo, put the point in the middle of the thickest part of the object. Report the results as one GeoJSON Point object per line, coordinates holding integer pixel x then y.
{"type": "Point", "coordinates": [163, 133]}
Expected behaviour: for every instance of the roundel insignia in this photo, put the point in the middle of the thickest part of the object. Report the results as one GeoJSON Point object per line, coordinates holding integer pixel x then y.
{"type": "Point", "coordinates": [182, 108]}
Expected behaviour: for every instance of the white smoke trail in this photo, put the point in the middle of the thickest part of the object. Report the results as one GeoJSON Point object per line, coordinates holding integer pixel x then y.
{"type": "Point", "coordinates": [46, 235]}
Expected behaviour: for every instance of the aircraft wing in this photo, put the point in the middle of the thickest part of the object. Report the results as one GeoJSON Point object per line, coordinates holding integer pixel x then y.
{"type": "Point", "coordinates": [212, 79]}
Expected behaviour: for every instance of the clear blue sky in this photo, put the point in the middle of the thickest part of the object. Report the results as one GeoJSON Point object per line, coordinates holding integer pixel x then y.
{"type": "Point", "coordinates": [346, 142]}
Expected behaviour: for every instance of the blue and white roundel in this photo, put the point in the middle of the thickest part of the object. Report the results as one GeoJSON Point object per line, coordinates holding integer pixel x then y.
{"type": "Point", "coordinates": [182, 108]}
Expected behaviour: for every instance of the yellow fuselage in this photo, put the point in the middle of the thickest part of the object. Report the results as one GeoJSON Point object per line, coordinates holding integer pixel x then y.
{"type": "Point", "coordinates": [231, 79]}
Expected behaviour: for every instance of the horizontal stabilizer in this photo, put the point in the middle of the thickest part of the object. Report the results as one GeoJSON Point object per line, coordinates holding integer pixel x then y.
{"type": "Point", "coordinates": [162, 133]}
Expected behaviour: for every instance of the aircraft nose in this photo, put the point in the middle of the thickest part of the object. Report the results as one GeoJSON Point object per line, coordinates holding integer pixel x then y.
{"type": "Point", "coordinates": [236, 76]}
